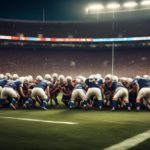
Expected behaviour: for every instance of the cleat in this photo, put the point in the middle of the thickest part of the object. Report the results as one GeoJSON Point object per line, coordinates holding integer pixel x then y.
{"type": "Point", "coordinates": [24, 106]}
{"type": "Point", "coordinates": [137, 110]}
{"type": "Point", "coordinates": [1, 106]}
{"type": "Point", "coordinates": [85, 108]}
{"type": "Point", "coordinates": [91, 105]}
{"type": "Point", "coordinates": [11, 105]}
{"type": "Point", "coordinates": [101, 109]}
{"type": "Point", "coordinates": [44, 108]}
{"type": "Point", "coordinates": [16, 106]}
{"type": "Point", "coordinates": [112, 110]}
{"type": "Point", "coordinates": [57, 106]}
{"type": "Point", "coordinates": [81, 106]}
{"type": "Point", "coordinates": [129, 110]}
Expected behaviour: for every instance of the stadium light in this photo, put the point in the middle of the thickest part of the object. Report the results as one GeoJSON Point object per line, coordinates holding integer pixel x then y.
{"type": "Point", "coordinates": [96, 7]}
{"type": "Point", "coordinates": [113, 6]}
{"type": "Point", "coordinates": [87, 10]}
{"type": "Point", "coordinates": [145, 3]}
{"type": "Point", "coordinates": [130, 4]}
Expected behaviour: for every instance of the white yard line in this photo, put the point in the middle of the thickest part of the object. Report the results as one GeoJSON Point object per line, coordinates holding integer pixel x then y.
{"type": "Point", "coordinates": [131, 142]}
{"type": "Point", "coordinates": [46, 121]}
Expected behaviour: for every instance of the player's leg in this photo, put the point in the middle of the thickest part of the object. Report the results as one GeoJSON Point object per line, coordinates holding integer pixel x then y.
{"type": "Point", "coordinates": [0, 91]}
{"type": "Point", "coordinates": [126, 98]}
{"type": "Point", "coordinates": [3, 96]}
{"type": "Point", "coordinates": [55, 99]}
{"type": "Point", "coordinates": [119, 93]}
{"type": "Point", "coordinates": [11, 93]}
{"type": "Point", "coordinates": [89, 93]}
{"type": "Point", "coordinates": [27, 103]}
{"type": "Point", "coordinates": [42, 94]}
{"type": "Point", "coordinates": [99, 97]}
{"type": "Point", "coordinates": [74, 95]}
{"type": "Point", "coordinates": [142, 93]}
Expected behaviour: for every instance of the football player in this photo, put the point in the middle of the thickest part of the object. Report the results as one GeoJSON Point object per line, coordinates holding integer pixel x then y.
{"type": "Point", "coordinates": [10, 90]}
{"type": "Point", "coordinates": [39, 90]}
{"type": "Point", "coordinates": [67, 90]}
{"type": "Point", "coordinates": [119, 92]}
{"type": "Point", "coordinates": [94, 84]}
{"type": "Point", "coordinates": [142, 88]}
{"type": "Point", "coordinates": [78, 91]}
{"type": "Point", "coordinates": [54, 92]}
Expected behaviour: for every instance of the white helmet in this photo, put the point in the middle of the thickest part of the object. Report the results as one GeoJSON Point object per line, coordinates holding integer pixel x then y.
{"type": "Point", "coordinates": [69, 78]}
{"type": "Point", "coordinates": [1, 76]}
{"type": "Point", "coordinates": [81, 78]}
{"type": "Point", "coordinates": [55, 75]}
{"type": "Point", "coordinates": [130, 79]}
{"type": "Point", "coordinates": [9, 75]}
{"type": "Point", "coordinates": [47, 76]}
{"type": "Point", "coordinates": [115, 78]}
{"type": "Point", "coordinates": [78, 80]}
{"type": "Point", "coordinates": [146, 76]}
{"type": "Point", "coordinates": [124, 79]}
{"type": "Point", "coordinates": [108, 76]}
{"type": "Point", "coordinates": [30, 78]}
{"type": "Point", "coordinates": [61, 77]}
{"type": "Point", "coordinates": [39, 78]}
{"type": "Point", "coordinates": [15, 76]}
{"type": "Point", "coordinates": [22, 79]}
{"type": "Point", "coordinates": [99, 75]}
{"type": "Point", "coordinates": [91, 76]}
{"type": "Point", "coordinates": [27, 79]}
{"type": "Point", "coordinates": [5, 77]}
{"type": "Point", "coordinates": [138, 77]}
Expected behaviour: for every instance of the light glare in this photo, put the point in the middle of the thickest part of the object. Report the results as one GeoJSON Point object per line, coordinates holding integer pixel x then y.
{"type": "Point", "coordinates": [130, 4]}
{"type": "Point", "coordinates": [113, 6]}
{"type": "Point", "coordinates": [145, 3]}
{"type": "Point", "coordinates": [95, 7]}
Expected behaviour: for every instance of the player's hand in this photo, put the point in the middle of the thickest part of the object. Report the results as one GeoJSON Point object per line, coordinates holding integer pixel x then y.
{"type": "Point", "coordinates": [18, 96]}
{"type": "Point", "coordinates": [26, 96]}
{"type": "Point", "coordinates": [48, 96]}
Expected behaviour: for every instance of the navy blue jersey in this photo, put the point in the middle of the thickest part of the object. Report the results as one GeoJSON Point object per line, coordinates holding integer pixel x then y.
{"type": "Point", "coordinates": [69, 87]}
{"type": "Point", "coordinates": [79, 85]}
{"type": "Point", "coordinates": [3, 82]}
{"type": "Point", "coordinates": [43, 84]}
{"type": "Point", "coordinates": [15, 84]}
{"type": "Point", "coordinates": [94, 82]}
{"type": "Point", "coordinates": [142, 82]}
{"type": "Point", "coordinates": [115, 85]}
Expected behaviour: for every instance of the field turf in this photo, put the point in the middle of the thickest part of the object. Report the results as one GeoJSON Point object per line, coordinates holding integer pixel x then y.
{"type": "Point", "coordinates": [95, 130]}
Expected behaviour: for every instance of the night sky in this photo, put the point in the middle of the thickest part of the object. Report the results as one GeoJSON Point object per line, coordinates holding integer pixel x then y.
{"type": "Point", "coordinates": [55, 10]}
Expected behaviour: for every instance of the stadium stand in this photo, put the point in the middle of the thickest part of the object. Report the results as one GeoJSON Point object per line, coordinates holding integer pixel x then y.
{"type": "Point", "coordinates": [25, 61]}
{"type": "Point", "coordinates": [129, 27]}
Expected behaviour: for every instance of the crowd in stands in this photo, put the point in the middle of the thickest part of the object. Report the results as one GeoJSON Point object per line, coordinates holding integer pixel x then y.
{"type": "Point", "coordinates": [72, 62]}
{"type": "Point", "coordinates": [129, 27]}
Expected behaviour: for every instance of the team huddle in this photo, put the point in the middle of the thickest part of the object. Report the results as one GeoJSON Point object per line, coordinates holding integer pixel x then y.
{"type": "Point", "coordinates": [81, 92]}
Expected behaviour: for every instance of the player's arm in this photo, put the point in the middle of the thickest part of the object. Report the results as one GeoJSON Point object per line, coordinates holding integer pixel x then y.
{"type": "Point", "coordinates": [17, 94]}
{"type": "Point", "coordinates": [103, 88]}
{"type": "Point", "coordinates": [130, 91]}
{"type": "Point", "coordinates": [21, 91]}
{"type": "Point", "coordinates": [25, 85]}
{"type": "Point", "coordinates": [47, 91]}
{"type": "Point", "coordinates": [136, 86]}
{"type": "Point", "coordinates": [53, 91]}
{"type": "Point", "coordinates": [65, 93]}
{"type": "Point", "coordinates": [86, 87]}
{"type": "Point", "coordinates": [110, 85]}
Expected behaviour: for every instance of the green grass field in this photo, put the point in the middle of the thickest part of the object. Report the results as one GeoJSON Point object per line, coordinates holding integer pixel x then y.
{"type": "Point", "coordinates": [95, 130]}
